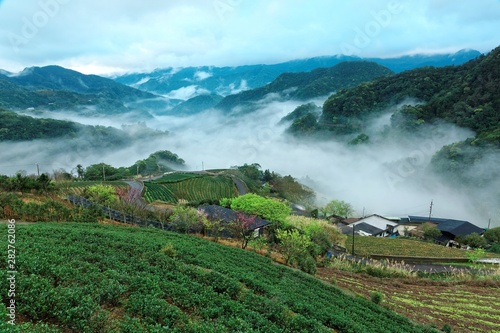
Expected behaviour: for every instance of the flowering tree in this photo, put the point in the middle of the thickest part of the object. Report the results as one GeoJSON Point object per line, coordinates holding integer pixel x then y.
{"type": "Point", "coordinates": [241, 228]}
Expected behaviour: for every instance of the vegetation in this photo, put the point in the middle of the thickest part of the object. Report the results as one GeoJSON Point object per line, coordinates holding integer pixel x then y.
{"type": "Point", "coordinates": [318, 82]}
{"type": "Point", "coordinates": [269, 209]}
{"type": "Point", "coordinates": [364, 246]}
{"type": "Point", "coordinates": [89, 278]}
{"type": "Point", "coordinates": [193, 188]}
{"type": "Point", "coordinates": [339, 208]}
{"type": "Point", "coordinates": [51, 210]}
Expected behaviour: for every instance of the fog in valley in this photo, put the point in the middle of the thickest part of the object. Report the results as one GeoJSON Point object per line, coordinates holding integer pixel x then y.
{"type": "Point", "coordinates": [389, 176]}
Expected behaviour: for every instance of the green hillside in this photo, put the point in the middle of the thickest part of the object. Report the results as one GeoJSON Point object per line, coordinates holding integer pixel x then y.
{"type": "Point", "coordinates": [189, 187]}
{"type": "Point", "coordinates": [319, 82]}
{"type": "Point", "coordinates": [101, 278]}
{"type": "Point", "coordinates": [465, 95]}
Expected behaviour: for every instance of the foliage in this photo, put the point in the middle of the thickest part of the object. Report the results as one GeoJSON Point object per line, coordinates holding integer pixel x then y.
{"type": "Point", "coordinates": [214, 228]}
{"type": "Point", "coordinates": [492, 235]}
{"type": "Point", "coordinates": [303, 86]}
{"type": "Point", "coordinates": [26, 184]}
{"type": "Point", "coordinates": [241, 228]}
{"type": "Point", "coordinates": [377, 297]}
{"type": "Point", "coordinates": [158, 162]}
{"type": "Point", "coordinates": [476, 254]}
{"type": "Point", "coordinates": [474, 240]}
{"type": "Point", "coordinates": [365, 246]}
{"type": "Point", "coordinates": [430, 231]}
{"type": "Point", "coordinates": [191, 187]}
{"type": "Point", "coordinates": [254, 204]}
{"type": "Point", "coordinates": [102, 278]}
{"type": "Point", "coordinates": [12, 207]}
{"type": "Point", "coordinates": [339, 208]}
{"type": "Point", "coordinates": [187, 219]}
{"type": "Point", "coordinates": [101, 194]}
{"type": "Point", "coordinates": [292, 244]}
{"type": "Point", "coordinates": [322, 234]}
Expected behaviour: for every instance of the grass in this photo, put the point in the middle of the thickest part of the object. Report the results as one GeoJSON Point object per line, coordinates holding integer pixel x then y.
{"type": "Point", "coordinates": [365, 246]}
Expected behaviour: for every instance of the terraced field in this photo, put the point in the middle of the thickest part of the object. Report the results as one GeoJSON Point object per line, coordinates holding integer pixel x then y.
{"type": "Point", "coordinates": [467, 306]}
{"type": "Point", "coordinates": [189, 187]}
{"type": "Point", "coordinates": [78, 186]}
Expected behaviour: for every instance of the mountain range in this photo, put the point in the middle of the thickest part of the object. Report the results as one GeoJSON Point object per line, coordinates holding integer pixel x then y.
{"type": "Point", "coordinates": [192, 81]}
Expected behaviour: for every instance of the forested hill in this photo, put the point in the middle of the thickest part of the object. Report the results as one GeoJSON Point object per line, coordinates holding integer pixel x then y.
{"type": "Point", "coordinates": [56, 88]}
{"type": "Point", "coordinates": [465, 95]}
{"type": "Point", "coordinates": [301, 86]}
{"type": "Point", "coordinates": [15, 127]}
{"type": "Point", "coordinates": [59, 78]}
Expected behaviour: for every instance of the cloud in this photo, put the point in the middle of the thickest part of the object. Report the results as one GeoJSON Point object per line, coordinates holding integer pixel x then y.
{"type": "Point", "coordinates": [388, 176]}
{"type": "Point", "coordinates": [118, 36]}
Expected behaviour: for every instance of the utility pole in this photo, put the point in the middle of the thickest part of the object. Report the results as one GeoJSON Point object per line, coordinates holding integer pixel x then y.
{"type": "Point", "coordinates": [202, 166]}
{"type": "Point", "coordinates": [430, 210]}
{"type": "Point", "coordinates": [103, 173]}
{"type": "Point", "coordinates": [38, 169]}
{"type": "Point", "coordinates": [489, 221]}
{"type": "Point", "coordinates": [352, 250]}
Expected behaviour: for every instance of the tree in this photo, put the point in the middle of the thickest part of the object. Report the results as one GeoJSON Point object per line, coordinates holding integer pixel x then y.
{"type": "Point", "coordinates": [475, 241]}
{"type": "Point", "coordinates": [131, 200]}
{"type": "Point", "coordinates": [430, 231]}
{"type": "Point", "coordinates": [254, 204]}
{"type": "Point", "coordinates": [241, 228]}
{"type": "Point", "coordinates": [492, 235]}
{"type": "Point", "coordinates": [101, 194]}
{"type": "Point", "coordinates": [292, 244]}
{"type": "Point", "coordinates": [338, 207]}
{"type": "Point", "coordinates": [80, 171]}
{"type": "Point", "coordinates": [215, 227]}
{"type": "Point", "coordinates": [187, 219]}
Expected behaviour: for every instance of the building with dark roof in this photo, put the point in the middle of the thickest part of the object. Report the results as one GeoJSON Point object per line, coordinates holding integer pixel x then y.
{"type": "Point", "coordinates": [214, 212]}
{"type": "Point", "coordinates": [449, 228]}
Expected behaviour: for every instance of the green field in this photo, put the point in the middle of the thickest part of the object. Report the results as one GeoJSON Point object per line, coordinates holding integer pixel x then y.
{"type": "Point", "coordinates": [189, 187]}
{"type": "Point", "coordinates": [365, 246]}
{"type": "Point", "coordinates": [77, 187]}
{"type": "Point", "coordinates": [102, 278]}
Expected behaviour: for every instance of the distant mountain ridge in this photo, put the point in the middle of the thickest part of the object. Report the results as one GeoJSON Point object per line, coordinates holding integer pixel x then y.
{"type": "Point", "coordinates": [306, 85]}
{"type": "Point", "coordinates": [58, 88]}
{"type": "Point", "coordinates": [230, 80]}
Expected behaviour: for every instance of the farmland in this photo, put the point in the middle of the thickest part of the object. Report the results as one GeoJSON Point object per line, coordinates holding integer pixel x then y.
{"type": "Point", "coordinates": [365, 246]}
{"type": "Point", "coordinates": [189, 187]}
{"type": "Point", "coordinates": [467, 306]}
{"type": "Point", "coordinates": [101, 278]}
{"type": "Point", "coordinates": [77, 187]}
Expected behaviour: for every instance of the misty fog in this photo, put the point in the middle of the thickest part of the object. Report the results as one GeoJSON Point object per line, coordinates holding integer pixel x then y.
{"type": "Point", "coordinates": [388, 176]}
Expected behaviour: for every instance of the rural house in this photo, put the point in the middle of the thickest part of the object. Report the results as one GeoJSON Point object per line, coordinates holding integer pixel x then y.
{"type": "Point", "coordinates": [449, 228]}
{"type": "Point", "coordinates": [381, 226]}
{"type": "Point", "coordinates": [214, 212]}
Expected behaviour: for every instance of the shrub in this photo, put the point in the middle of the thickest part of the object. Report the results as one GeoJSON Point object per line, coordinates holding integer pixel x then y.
{"type": "Point", "coordinates": [446, 328]}
{"type": "Point", "coordinates": [492, 235]}
{"type": "Point", "coordinates": [169, 250]}
{"type": "Point", "coordinates": [474, 240]}
{"type": "Point", "coordinates": [186, 219]}
{"type": "Point", "coordinates": [377, 297]}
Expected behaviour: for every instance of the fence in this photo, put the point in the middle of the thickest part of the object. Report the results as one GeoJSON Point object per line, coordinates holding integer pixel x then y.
{"type": "Point", "coordinates": [117, 215]}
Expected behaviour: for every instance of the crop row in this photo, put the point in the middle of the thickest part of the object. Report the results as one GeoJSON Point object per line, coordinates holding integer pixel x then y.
{"type": "Point", "coordinates": [158, 192]}
{"type": "Point", "coordinates": [191, 189]}
{"type": "Point", "coordinates": [75, 276]}
{"type": "Point", "coordinates": [177, 177]}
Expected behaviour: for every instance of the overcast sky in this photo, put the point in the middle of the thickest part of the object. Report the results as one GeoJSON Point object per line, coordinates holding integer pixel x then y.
{"type": "Point", "coordinates": [106, 36]}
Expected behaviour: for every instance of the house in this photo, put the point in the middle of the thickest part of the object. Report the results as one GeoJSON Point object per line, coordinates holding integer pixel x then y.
{"type": "Point", "coordinates": [384, 224]}
{"type": "Point", "coordinates": [449, 228]}
{"type": "Point", "coordinates": [214, 212]}
{"type": "Point", "coordinates": [365, 229]}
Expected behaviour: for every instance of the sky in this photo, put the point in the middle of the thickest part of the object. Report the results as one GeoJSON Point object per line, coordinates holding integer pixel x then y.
{"type": "Point", "coordinates": [117, 36]}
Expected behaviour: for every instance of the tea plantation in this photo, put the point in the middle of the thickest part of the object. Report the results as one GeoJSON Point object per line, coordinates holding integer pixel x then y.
{"type": "Point", "coordinates": [101, 278]}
